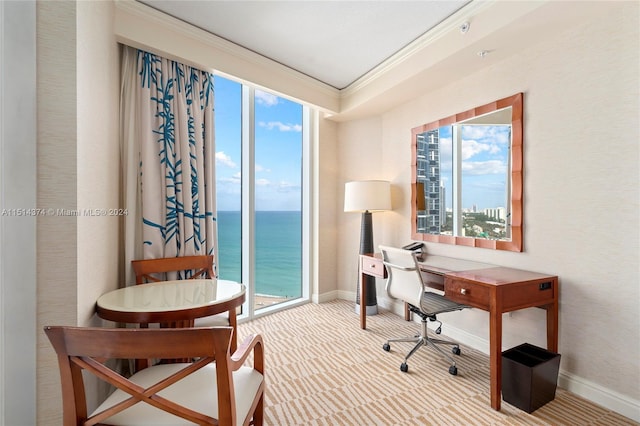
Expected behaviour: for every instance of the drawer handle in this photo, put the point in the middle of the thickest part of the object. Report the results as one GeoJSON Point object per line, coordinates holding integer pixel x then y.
{"type": "Point", "coordinates": [372, 266]}
{"type": "Point", "coordinates": [463, 291]}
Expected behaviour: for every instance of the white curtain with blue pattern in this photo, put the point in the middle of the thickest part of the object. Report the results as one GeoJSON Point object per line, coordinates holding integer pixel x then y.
{"type": "Point", "coordinates": [168, 158]}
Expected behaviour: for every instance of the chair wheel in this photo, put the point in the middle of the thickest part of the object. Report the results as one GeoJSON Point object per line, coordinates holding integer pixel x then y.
{"type": "Point", "coordinates": [456, 350]}
{"type": "Point", "coordinates": [386, 347]}
{"type": "Point", "coordinates": [453, 370]}
{"type": "Point", "coordinates": [404, 367]}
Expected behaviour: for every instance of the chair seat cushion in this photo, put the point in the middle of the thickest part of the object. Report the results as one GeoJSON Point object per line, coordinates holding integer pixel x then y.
{"type": "Point", "coordinates": [197, 391]}
{"type": "Point", "coordinates": [433, 303]}
{"type": "Point", "coordinates": [220, 320]}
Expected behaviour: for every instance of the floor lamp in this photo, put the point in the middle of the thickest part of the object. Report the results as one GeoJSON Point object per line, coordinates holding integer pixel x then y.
{"type": "Point", "coordinates": [367, 196]}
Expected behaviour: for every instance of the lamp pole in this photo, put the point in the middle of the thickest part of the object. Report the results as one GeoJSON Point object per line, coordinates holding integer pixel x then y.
{"type": "Point", "coordinates": [366, 247]}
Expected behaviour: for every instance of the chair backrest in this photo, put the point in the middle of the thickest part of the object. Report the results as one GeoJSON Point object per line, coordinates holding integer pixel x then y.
{"type": "Point", "coordinates": [152, 270]}
{"type": "Point", "coordinates": [404, 281]}
{"type": "Point", "coordinates": [88, 348]}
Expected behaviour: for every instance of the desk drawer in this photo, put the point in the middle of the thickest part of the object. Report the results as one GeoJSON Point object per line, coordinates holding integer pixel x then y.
{"type": "Point", "coordinates": [523, 295]}
{"type": "Point", "coordinates": [468, 293]}
{"type": "Point", "coordinates": [372, 266]}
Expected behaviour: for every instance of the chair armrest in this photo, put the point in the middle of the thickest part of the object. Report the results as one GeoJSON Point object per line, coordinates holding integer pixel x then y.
{"type": "Point", "coordinates": [400, 267]}
{"type": "Point", "coordinates": [251, 343]}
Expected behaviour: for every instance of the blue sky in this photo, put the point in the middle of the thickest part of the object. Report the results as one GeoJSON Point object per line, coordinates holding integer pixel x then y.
{"type": "Point", "coordinates": [278, 155]}
{"type": "Point", "coordinates": [485, 153]}
{"type": "Point", "coordinates": [485, 150]}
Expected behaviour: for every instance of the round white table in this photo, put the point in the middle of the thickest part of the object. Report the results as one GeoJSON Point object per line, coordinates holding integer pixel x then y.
{"type": "Point", "coordinates": [170, 301]}
{"type": "Point", "coordinates": [173, 303]}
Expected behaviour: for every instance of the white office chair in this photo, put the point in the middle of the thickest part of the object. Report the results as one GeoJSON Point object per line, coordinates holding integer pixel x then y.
{"type": "Point", "coordinates": [405, 283]}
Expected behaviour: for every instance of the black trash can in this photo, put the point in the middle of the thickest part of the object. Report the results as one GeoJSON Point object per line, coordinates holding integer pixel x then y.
{"type": "Point", "coordinates": [529, 376]}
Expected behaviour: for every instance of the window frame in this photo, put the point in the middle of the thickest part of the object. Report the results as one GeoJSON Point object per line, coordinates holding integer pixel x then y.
{"type": "Point", "coordinates": [247, 207]}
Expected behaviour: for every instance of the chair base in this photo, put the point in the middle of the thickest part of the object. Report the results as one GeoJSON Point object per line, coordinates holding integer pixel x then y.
{"type": "Point", "coordinates": [423, 339]}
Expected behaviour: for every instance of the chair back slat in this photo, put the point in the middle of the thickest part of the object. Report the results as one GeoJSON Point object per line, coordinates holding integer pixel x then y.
{"type": "Point", "coordinates": [154, 270]}
{"type": "Point", "coordinates": [111, 343]}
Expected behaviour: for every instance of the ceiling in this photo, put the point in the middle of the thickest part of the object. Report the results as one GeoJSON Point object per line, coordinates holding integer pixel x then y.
{"type": "Point", "coordinates": [351, 59]}
{"type": "Point", "coordinates": [335, 42]}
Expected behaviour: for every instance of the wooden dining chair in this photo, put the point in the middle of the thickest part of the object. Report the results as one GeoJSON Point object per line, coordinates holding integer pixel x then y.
{"type": "Point", "coordinates": [189, 267]}
{"type": "Point", "coordinates": [215, 389]}
{"type": "Point", "coordinates": [186, 267]}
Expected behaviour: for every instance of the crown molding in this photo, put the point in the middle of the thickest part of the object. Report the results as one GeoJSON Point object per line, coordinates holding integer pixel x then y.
{"type": "Point", "coordinates": [253, 60]}
{"type": "Point", "coordinates": [429, 38]}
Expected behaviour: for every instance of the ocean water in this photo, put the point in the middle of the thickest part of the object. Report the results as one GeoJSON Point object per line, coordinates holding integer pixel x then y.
{"type": "Point", "coordinates": [278, 268]}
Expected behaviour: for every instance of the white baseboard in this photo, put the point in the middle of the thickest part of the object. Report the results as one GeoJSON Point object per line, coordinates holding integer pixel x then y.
{"type": "Point", "coordinates": [593, 392]}
{"type": "Point", "coordinates": [326, 297]}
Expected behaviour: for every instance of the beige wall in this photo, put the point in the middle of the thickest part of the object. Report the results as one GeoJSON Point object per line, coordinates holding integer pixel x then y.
{"type": "Point", "coordinates": [360, 157]}
{"type": "Point", "coordinates": [57, 261]}
{"type": "Point", "coordinates": [327, 202]}
{"type": "Point", "coordinates": [98, 168]}
{"type": "Point", "coordinates": [581, 217]}
{"type": "Point", "coordinates": [78, 168]}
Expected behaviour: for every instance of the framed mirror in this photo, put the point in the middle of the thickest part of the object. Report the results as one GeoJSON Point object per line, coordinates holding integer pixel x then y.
{"type": "Point", "coordinates": [467, 177]}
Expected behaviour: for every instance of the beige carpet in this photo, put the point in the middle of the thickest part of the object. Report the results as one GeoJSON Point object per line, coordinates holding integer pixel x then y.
{"type": "Point", "coordinates": [323, 370]}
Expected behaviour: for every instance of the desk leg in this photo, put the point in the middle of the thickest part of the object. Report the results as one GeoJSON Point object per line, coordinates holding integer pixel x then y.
{"type": "Point", "coordinates": [552, 322]}
{"type": "Point", "coordinates": [495, 355]}
{"type": "Point", "coordinates": [363, 303]}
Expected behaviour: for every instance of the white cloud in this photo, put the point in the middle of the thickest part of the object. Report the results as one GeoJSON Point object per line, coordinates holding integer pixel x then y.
{"type": "Point", "coordinates": [487, 134]}
{"type": "Point", "coordinates": [222, 158]}
{"type": "Point", "coordinates": [446, 150]}
{"type": "Point", "coordinates": [235, 179]}
{"type": "Point", "coordinates": [472, 147]}
{"type": "Point", "coordinates": [288, 127]}
{"type": "Point", "coordinates": [267, 99]}
{"type": "Point", "coordinates": [260, 168]}
{"type": "Point", "coordinates": [262, 182]}
{"type": "Point", "coordinates": [230, 185]}
{"type": "Point", "coordinates": [492, 167]}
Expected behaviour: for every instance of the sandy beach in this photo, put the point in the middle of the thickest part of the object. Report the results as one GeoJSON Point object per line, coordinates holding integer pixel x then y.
{"type": "Point", "coordinates": [262, 301]}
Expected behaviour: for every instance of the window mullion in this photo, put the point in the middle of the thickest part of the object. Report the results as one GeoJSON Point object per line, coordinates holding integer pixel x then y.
{"type": "Point", "coordinates": [309, 177]}
{"type": "Point", "coordinates": [456, 140]}
{"type": "Point", "coordinates": [248, 195]}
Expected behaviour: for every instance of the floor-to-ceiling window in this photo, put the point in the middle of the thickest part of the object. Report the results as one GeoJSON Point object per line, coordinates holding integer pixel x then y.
{"type": "Point", "coordinates": [261, 162]}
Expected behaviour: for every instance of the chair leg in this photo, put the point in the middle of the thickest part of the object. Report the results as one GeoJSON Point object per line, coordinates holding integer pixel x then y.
{"type": "Point", "coordinates": [258, 414]}
{"type": "Point", "coordinates": [418, 345]}
{"type": "Point", "coordinates": [432, 343]}
{"type": "Point", "coordinates": [435, 342]}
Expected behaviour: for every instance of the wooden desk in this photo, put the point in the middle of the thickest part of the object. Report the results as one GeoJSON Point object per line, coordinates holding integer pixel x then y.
{"type": "Point", "coordinates": [490, 288]}
{"type": "Point", "coordinates": [173, 303]}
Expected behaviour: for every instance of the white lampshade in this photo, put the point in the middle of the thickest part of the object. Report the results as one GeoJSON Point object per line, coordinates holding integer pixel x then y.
{"type": "Point", "coordinates": [367, 195]}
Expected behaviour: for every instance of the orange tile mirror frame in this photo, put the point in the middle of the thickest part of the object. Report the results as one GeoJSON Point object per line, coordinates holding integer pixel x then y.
{"type": "Point", "coordinates": [443, 168]}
